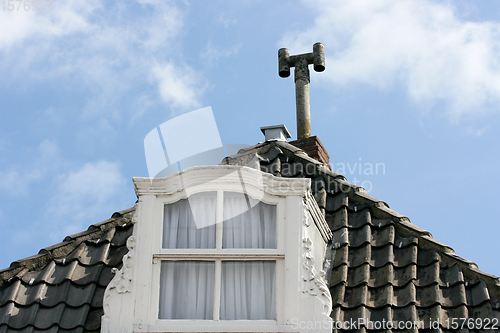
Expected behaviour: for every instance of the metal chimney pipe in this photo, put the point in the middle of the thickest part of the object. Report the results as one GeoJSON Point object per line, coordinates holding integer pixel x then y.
{"type": "Point", "coordinates": [301, 63]}
{"type": "Point", "coordinates": [302, 79]}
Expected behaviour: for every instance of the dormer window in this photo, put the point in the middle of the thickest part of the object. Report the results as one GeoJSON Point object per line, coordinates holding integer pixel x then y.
{"type": "Point", "coordinates": [224, 283]}
{"type": "Point", "coordinates": [221, 249]}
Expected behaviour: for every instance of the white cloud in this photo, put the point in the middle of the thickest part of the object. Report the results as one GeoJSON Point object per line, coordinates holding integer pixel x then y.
{"type": "Point", "coordinates": [179, 86]}
{"type": "Point", "coordinates": [227, 22]}
{"type": "Point", "coordinates": [16, 184]}
{"type": "Point", "coordinates": [108, 48]}
{"type": "Point", "coordinates": [85, 194]}
{"type": "Point", "coordinates": [213, 54]}
{"type": "Point", "coordinates": [476, 131]}
{"type": "Point", "coordinates": [75, 196]}
{"type": "Point", "coordinates": [22, 23]}
{"type": "Point", "coordinates": [419, 45]}
{"type": "Point", "coordinates": [158, 28]}
{"type": "Point", "coordinates": [17, 179]}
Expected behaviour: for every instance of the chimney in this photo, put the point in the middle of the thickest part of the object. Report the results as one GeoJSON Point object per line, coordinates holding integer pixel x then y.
{"type": "Point", "coordinates": [314, 148]}
{"type": "Point", "coordinates": [310, 144]}
{"type": "Point", "coordinates": [276, 133]}
{"type": "Point", "coordinates": [301, 63]}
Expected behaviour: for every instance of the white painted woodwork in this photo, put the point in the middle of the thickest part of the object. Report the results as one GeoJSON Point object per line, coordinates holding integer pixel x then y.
{"type": "Point", "coordinates": [302, 298]}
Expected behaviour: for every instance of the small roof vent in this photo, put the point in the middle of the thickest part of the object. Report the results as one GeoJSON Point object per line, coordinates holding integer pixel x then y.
{"type": "Point", "coordinates": [276, 133]}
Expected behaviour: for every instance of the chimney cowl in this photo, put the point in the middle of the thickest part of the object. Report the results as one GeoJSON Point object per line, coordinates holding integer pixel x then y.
{"type": "Point", "coordinates": [276, 133]}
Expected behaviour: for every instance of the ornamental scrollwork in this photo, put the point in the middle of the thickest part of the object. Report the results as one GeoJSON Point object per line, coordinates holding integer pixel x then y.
{"type": "Point", "coordinates": [314, 282]}
{"type": "Point", "coordinates": [121, 282]}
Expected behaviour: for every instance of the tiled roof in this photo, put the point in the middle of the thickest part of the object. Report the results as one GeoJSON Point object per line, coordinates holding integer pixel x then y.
{"type": "Point", "coordinates": [61, 289]}
{"type": "Point", "coordinates": [382, 267]}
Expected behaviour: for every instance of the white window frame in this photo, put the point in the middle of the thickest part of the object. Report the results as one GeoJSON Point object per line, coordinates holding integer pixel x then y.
{"type": "Point", "coordinates": [217, 255]}
{"type": "Point", "coordinates": [131, 301]}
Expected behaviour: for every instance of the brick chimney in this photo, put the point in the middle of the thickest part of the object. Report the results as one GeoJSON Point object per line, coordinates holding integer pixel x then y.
{"type": "Point", "coordinates": [314, 148]}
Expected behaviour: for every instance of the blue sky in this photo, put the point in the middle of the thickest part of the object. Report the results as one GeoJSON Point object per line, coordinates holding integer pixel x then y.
{"type": "Point", "coordinates": [411, 84]}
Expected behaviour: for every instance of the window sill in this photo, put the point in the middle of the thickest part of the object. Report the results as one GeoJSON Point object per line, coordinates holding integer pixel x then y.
{"type": "Point", "coordinates": [272, 254]}
{"type": "Point", "coordinates": [214, 326]}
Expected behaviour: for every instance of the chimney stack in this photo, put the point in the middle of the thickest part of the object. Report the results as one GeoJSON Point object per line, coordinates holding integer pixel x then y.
{"type": "Point", "coordinates": [314, 148]}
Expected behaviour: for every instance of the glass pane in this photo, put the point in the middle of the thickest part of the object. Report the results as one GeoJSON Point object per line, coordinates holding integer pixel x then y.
{"type": "Point", "coordinates": [187, 290]}
{"type": "Point", "coordinates": [248, 290]}
{"type": "Point", "coordinates": [190, 223]}
{"type": "Point", "coordinates": [248, 223]}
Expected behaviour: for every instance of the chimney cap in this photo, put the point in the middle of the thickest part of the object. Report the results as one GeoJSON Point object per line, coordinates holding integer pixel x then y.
{"type": "Point", "coordinates": [276, 132]}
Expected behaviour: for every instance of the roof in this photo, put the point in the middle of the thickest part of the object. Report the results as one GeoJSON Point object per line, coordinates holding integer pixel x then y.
{"type": "Point", "coordinates": [61, 289]}
{"type": "Point", "coordinates": [381, 266]}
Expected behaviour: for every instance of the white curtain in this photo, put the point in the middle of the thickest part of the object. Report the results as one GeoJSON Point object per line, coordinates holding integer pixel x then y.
{"type": "Point", "coordinates": [255, 228]}
{"type": "Point", "coordinates": [187, 290]}
{"type": "Point", "coordinates": [248, 290]}
{"type": "Point", "coordinates": [180, 221]}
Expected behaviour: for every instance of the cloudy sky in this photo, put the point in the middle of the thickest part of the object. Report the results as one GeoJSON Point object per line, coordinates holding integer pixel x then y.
{"type": "Point", "coordinates": [410, 84]}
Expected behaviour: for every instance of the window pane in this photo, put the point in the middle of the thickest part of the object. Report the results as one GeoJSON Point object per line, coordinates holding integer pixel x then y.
{"type": "Point", "coordinates": [248, 290]}
{"type": "Point", "coordinates": [248, 223]}
{"type": "Point", "coordinates": [187, 290]}
{"type": "Point", "coordinates": [190, 223]}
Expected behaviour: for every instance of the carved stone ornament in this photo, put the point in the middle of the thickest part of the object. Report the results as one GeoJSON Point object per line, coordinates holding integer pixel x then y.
{"type": "Point", "coordinates": [314, 283]}
{"type": "Point", "coordinates": [306, 218]}
{"type": "Point", "coordinates": [121, 282]}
